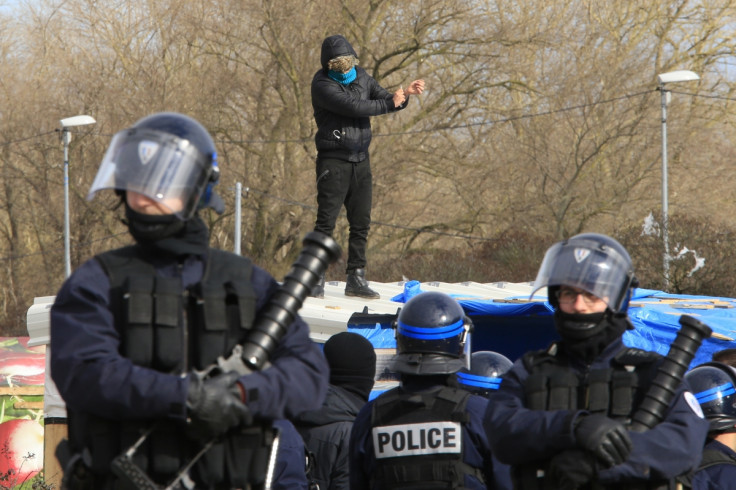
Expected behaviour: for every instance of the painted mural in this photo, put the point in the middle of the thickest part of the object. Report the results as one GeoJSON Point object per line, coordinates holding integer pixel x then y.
{"type": "Point", "coordinates": [22, 371]}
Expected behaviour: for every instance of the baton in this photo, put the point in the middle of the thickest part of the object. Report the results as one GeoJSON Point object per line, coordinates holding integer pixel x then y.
{"type": "Point", "coordinates": [670, 374]}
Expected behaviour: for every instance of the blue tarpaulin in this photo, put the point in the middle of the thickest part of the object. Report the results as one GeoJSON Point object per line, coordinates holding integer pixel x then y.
{"type": "Point", "coordinates": [515, 325]}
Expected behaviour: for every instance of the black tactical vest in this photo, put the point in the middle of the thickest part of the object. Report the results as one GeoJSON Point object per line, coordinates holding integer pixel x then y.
{"type": "Point", "coordinates": [173, 330]}
{"type": "Point", "coordinates": [615, 392]}
{"type": "Point", "coordinates": [417, 440]}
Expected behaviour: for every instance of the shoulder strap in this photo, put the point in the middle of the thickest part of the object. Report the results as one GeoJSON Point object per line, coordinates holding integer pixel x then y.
{"type": "Point", "coordinates": [221, 262]}
{"type": "Point", "coordinates": [449, 403]}
{"type": "Point", "coordinates": [226, 275]}
{"type": "Point", "coordinates": [533, 359]}
{"type": "Point", "coordinates": [551, 385]}
{"type": "Point", "coordinates": [121, 263]}
{"type": "Point", "coordinates": [711, 457]}
{"type": "Point", "coordinates": [632, 356]}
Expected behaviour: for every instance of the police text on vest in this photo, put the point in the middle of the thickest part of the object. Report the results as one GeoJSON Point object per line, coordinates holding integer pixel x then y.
{"type": "Point", "coordinates": [416, 439]}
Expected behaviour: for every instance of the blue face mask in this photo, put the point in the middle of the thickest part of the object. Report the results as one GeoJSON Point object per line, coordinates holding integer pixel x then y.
{"type": "Point", "coordinates": [343, 78]}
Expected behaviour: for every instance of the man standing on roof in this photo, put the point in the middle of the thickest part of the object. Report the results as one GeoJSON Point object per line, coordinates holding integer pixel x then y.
{"type": "Point", "coordinates": [560, 415]}
{"type": "Point", "coordinates": [344, 97]}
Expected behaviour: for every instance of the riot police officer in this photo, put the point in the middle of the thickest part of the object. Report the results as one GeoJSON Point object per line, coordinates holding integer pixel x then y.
{"type": "Point", "coordinates": [290, 471]}
{"type": "Point", "coordinates": [427, 433]}
{"type": "Point", "coordinates": [326, 431]}
{"type": "Point", "coordinates": [484, 374]}
{"type": "Point", "coordinates": [714, 386]}
{"type": "Point", "coordinates": [133, 328]}
{"type": "Point", "coordinates": [560, 415]}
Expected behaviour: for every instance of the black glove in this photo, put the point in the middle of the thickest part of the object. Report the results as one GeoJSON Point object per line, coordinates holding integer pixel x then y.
{"type": "Point", "coordinates": [607, 439]}
{"type": "Point", "coordinates": [571, 469]}
{"type": "Point", "coordinates": [215, 406]}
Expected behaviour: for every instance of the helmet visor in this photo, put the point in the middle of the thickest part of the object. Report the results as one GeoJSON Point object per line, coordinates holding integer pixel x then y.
{"type": "Point", "coordinates": [158, 165]}
{"type": "Point", "coordinates": [582, 264]}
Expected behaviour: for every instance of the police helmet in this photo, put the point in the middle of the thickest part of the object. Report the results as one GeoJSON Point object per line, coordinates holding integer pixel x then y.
{"type": "Point", "coordinates": [431, 335]}
{"type": "Point", "coordinates": [713, 385]}
{"type": "Point", "coordinates": [484, 375]}
{"type": "Point", "coordinates": [167, 157]}
{"type": "Point", "coordinates": [595, 263]}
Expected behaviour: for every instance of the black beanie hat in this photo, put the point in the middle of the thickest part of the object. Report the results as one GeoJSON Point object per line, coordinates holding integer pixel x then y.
{"type": "Point", "coordinates": [352, 361]}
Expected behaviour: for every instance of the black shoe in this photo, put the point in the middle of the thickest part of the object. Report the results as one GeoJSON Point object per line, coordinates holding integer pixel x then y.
{"type": "Point", "coordinates": [319, 289]}
{"type": "Point", "coordinates": [356, 285]}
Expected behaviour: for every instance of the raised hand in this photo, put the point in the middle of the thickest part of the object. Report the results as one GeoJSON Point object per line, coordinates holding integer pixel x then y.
{"type": "Point", "coordinates": [415, 88]}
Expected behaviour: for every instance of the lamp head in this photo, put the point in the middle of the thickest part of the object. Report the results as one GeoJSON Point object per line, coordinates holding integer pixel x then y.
{"type": "Point", "coordinates": [77, 121]}
{"type": "Point", "coordinates": [677, 76]}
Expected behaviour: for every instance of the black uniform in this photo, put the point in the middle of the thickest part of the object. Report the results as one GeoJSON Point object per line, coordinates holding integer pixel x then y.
{"type": "Point", "coordinates": [423, 435]}
{"type": "Point", "coordinates": [560, 416]}
{"type": "Point", "coordinates": [526, 435]}
{"type": "Point", "coordinates": [326, 432]}
{"type": "Point", "coordinates": [427, 433]}
{"type": "Point", "coordinates": [717, 470]}
{"type": "Point", "coordinates": [121, 350]}
{"type": "Point", "coordinates": [135, 332]}
{"type": "Point", "coordinates": [342, 113]}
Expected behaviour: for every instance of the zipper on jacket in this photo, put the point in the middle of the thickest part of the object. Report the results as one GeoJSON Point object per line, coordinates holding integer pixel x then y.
{"type": "Point", "coordinates": [185, 323]}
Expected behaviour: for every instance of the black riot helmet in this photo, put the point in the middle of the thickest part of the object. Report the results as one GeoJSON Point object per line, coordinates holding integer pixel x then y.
{"type": "Point", "coordinates": [431, 335]}
{"type": "Point", "coordinates": [167, 157]}
{"type": "Point", "coordinates": [595, 263]}
{"type": "Point", "coordinates": [484, 375]}
{"type": "Point", "coordinates": [713, 385]}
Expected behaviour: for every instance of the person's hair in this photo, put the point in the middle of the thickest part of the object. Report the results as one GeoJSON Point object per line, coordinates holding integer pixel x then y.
{"type": "Point", "coordinates": [342, 64]}
{"type": "Point", "coordinates": [726, 356]}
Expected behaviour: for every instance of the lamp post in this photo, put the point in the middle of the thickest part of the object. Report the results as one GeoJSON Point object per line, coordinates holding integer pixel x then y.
{"type": "Point", "coordinates": [663, 79]}
{"type": "Point", "coordinates": [66, 138]}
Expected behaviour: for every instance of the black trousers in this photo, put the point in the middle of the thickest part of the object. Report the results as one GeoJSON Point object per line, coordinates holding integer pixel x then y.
{"type": "Point", "coordinates": [339, 183]}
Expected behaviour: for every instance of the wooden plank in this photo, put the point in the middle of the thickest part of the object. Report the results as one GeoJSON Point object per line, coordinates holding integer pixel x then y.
{"type": "Point", "coordinates": [53, 434]}
{"type": "Point", "coordinates": [695, 304]}
{"type": "Point", "coordinates": [688, 306]}
{"type": "Point", "coordinates": [21, 390]}
{"type": "Point", "coordinates": [28, 405]}
{"type": "Point", "coordinates": [514, 300]}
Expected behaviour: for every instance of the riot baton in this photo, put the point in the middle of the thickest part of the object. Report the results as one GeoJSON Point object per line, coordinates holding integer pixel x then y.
{"type": "Point", "coordinates": [318, 252]}
{"type": "Point", "coordinates": [670, 374]}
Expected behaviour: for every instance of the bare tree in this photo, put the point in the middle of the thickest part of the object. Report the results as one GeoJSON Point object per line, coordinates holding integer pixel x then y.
{"type": "Point", "coordinates": [540, 117]}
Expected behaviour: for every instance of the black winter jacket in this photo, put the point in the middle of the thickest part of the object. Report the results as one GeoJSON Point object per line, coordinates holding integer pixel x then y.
{"type": "Point", "coordinates": [342, 112]}
{"type": "Point", "coordinates": [326, 433]}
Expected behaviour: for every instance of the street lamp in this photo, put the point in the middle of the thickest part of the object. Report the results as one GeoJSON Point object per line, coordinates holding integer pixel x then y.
{"type": "Point", "coordinates": [66, 138]}
{"type": "Point", "coordinates": [662, 79]}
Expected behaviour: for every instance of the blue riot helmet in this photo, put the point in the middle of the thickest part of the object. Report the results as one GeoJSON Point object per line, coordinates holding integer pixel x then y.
{"type": "Point", "coordinates": [713, 385]}
{"type": "Point", "coordinates": [484, 375]}
{"type": "Point", "coordinates": [595, 263]}
{"type": "Point", "coordinates": [167, 157]}
{"type": "Point", "coordinates": [432, 333]}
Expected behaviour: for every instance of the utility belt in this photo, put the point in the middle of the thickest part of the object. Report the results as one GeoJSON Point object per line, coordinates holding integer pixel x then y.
{"type": "Point", "coordinates": [212, 465]}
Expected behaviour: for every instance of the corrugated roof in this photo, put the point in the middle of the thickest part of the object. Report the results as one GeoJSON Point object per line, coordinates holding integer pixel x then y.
{"type": "Point", "coordinates": [329, 315]}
